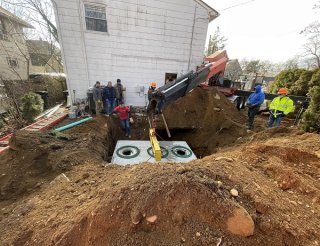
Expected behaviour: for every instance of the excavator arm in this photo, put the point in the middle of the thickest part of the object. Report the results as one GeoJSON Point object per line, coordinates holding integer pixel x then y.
{"type": "Point", "coordinates": [179, 88]}
{"type": "Point", "coordinates": [184, 84]}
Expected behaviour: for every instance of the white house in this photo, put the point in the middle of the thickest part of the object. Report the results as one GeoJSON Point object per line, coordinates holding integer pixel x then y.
{"type": "Point", "coordinates": [137, 41]}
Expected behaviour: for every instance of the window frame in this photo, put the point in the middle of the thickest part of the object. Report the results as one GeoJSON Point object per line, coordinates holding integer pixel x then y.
{"type": "Point", "coordinates": [97, 5]}
{"type": "Point", "coordinates": [9, 59]}
{"type": "Point", "coordinates": [173, 76]}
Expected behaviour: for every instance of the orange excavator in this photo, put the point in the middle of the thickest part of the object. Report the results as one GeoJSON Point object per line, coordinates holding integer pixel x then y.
{"type": "Point", "coordinates": [179, 88]}
{"type": "Point", "coordinates": [207, 76]}
{"type": "Point", "coordinates": [207, 73]}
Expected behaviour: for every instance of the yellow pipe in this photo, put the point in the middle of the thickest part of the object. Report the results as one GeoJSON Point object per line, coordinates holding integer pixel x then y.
{"type": "Point", "coordinates": [155, 144]}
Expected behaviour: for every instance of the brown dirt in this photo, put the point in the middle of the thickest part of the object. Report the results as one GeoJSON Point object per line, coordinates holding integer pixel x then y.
{"type": "Point", "coordinates": [36, 157]}
{"type": "Point", "coordinates": [206, 120]}
{"type": "Point", "coordinates": [59, 190]}
{"type": "Point", "coordinates": [179, 204]}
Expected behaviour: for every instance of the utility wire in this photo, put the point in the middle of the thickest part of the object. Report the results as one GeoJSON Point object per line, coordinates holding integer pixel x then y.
{"type": "Point", "coordinates": [237, 5]}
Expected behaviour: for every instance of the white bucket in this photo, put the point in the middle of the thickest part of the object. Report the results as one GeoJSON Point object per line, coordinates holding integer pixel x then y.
{"type": "Point", "coordinates": [72, 114]}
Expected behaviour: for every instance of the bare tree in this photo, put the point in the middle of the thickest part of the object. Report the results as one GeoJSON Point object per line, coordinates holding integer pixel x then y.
{"type": "Point", "coordinates": [39, 13]}
{"type": "Point", "coordinates": [312, 46]}
{"type": "Point", "coordinates": [251, 67]}
{"type": "Point", "coordinates": [10, 102]}
{"type": "Point", "coordinates": [292, 63]}
{"type": "Point", "coordinates": [260, 67]}
{"type": "Point", "coordinates": [216, 42]}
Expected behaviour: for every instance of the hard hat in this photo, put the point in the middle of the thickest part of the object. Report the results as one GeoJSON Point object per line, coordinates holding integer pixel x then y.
{"type": "Point", "coordinates": [283, 91]}
{"type": "Point", "coordinates": [153, 84]}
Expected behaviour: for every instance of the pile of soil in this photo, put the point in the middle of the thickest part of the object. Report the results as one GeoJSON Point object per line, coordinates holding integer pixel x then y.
{"type": "Point", "coordinates": [206, 120]}
{"type": "Point", "coordinates": [258, 190]}
{"type": "Point", "coordinates": [264, 192]}
{"type": "Point", "coordinates": [36, 157]}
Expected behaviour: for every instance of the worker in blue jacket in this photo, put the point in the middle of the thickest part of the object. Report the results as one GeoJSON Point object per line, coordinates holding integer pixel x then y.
{"type": "Point", "coordinates": [254, 102]}
{"type": "Point", "coordinates": [109, 95]}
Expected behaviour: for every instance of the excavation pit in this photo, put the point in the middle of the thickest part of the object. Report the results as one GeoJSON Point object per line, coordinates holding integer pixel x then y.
{"type": "Point", "coordinates": [135, 152]}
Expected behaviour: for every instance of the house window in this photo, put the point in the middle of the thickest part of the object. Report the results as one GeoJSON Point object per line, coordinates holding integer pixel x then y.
{"type": "Point", "coordinates": [13, 63]}
{"type": "Point", "coordinates": [170, 77]}
{"type": "Point", "coordinates": [96, 18]}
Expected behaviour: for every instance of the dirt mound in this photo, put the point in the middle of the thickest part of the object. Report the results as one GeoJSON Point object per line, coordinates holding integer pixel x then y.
{"type": "Point", "coordinates": [202, 108]}
{"type": "Point", "coordinates": [60, 190]}
{"type": "Point", "coordinates": [292, 162]}
{"type": "Point", "coordinates": [38, 157]}
{"type": "Point", "coordinates": [242, 196]}
{"type": "Point", "coordinates": [35, 158]}
{"type": "Point", "coordinates": [172, 210]}
{"type": "Point", "coordinates": [206, 119]}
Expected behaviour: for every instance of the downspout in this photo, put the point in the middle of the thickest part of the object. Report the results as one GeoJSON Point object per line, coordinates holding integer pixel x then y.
{"type": "Point", "coordinates": [61, 46]}
{"type": "Point", "coordinates": [192, 35]}
{"type": "Point", "coordinates": [84, 43]}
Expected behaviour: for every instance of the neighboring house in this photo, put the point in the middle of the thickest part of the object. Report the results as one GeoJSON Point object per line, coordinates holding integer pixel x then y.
{"type": "Point", "coordinates": [233, 70]}
{"type": "Point", "coordinates": [45, 57]}
{"type": "Point", "coordinates": [251, 80]}
{"type": "Point", "coordinates": [135, 41]}
{"type": "Point", "coordinates": [267, 81]}
{"type": "Point", "coordinates": [14, 57]}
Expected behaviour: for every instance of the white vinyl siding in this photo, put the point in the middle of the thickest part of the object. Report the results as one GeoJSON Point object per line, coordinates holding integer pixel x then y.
{"type": "Point", "coordinates": [146, 39]}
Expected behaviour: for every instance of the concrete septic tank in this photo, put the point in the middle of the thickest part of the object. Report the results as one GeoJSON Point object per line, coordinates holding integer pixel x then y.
{"type": "Point", "coordinates": [135, 152]}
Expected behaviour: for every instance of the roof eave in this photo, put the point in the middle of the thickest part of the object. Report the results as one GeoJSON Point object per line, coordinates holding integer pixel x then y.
{"type": "Point", "coordinates": [213, 14]}
{"type": "Point", "coordinates": [21, 22]}
{"type": "Point", "coordinates": [5, 13]}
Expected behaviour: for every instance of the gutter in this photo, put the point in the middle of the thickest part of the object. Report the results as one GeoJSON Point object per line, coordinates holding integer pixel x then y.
{"type": "Point", "coordinates": [212, 13]}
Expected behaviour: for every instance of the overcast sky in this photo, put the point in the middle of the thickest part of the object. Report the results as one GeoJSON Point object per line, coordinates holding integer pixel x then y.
{"type": "Point", "coordinates": [263, 29]}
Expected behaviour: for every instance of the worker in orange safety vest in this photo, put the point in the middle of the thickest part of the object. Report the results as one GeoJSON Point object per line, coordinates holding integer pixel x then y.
{"type": "Point", "coordinates": [152, 88]}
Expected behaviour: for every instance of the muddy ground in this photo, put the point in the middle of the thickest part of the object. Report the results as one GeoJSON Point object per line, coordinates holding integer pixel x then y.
{"type": "Point", "coordinates": [257, 188]}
